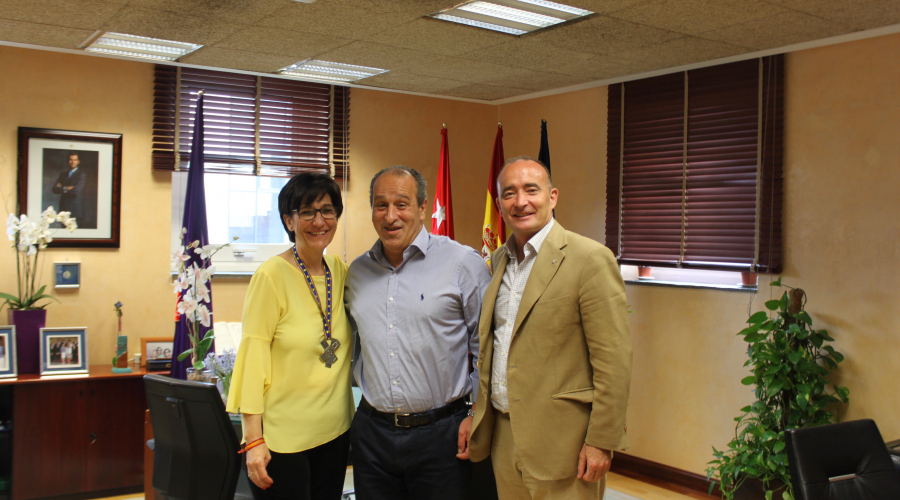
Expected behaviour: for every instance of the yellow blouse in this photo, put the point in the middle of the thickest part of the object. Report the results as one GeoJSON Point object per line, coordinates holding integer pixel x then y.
{"type": "Point", "coordinates": [278, 372]}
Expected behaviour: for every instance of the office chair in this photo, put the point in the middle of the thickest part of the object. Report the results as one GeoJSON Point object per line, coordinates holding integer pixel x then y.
{"type": "Point", "coordinates": [845, 461]}
{"type": "Point", "coordinates": [195, 449]}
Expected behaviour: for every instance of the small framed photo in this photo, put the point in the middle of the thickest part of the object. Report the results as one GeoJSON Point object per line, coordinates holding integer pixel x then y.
{"type": "Point", "coordinates": [157, 353]}
{"type": "Point", "coordinates": [68, 274]}
{"type": "Point", "coordinates": [64, 351]}
{"type": "Point", "coordinates": [8, 367]}
{"type": "Point", "coordinates": [75, 172]}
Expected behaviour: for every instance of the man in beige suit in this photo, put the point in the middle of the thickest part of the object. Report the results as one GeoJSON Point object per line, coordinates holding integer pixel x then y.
{"type": "Point", "coordinates": [555, 363]}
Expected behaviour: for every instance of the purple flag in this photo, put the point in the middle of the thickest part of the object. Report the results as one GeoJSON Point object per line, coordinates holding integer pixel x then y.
{"type": "Point", "coordinates": [195, 223]}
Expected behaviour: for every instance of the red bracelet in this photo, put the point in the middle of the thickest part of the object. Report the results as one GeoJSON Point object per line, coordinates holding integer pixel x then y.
{"type": "Point", "coordinates": [251, 444]}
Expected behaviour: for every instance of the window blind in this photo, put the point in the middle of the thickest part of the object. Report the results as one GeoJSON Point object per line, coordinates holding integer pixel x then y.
{"type": "Point", "coordinates": [253, 125]}
{"type": "Point", "coordinates": [694, 163]}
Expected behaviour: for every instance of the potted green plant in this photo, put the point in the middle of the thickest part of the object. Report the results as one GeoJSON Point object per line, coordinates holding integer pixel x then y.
{"type": "Point", "coordinates": [26, 307]}
{"type": "Point", "coordinates": [790, 364]}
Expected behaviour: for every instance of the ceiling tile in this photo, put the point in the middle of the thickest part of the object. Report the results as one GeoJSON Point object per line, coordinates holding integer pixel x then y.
{"type": "Point", "coordinates": [39, 34]}
{"type": "Point", "coordinates": [276, 41]}
{"type": "Point", "coordinates": [399, 80]}
{"type": "Point", "coordinates": [352, 18]}
{"type": "Point", "coordinates": [84, 14]}
{"type": "Point", "coordinates": [602, 6]}
{"type": "Point", "coordinates": [169, 26]}
{"type": "Point", "coordinates": [680, 51]}
{"type": "Point", "coordinates": [533, 54]}
{"type": "Point", "coordinates": [696, 16]}
{"type": "Point", "coordinates": [537, 80]}
{"type": "Point", "coordinates": [860, 14]}
{"type": "Point", "coordinates": [238, 59]}
{"type": "Point", "coordinates": [231, 11]}
{"type": "Point", "coordinates": [440, 37]}
{"type": "Point", "coordinates": [604, 36]}
{"type": "Point", "coordinates": [375, 55]}
{"type": "Point", "coordinates": [777, 31]}
{"type": "Point", "coordinates": [486, 92]}
{"type": "Point", "coordinates": [463, 70]}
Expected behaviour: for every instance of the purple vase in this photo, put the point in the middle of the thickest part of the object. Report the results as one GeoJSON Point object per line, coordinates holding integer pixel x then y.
{"type": "Point", "coordinates": [28, 338]}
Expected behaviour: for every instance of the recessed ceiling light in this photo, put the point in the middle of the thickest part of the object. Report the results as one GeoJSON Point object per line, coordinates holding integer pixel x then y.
{"type": "Point", "coordinates": [515, 17]}
{"type": "Point", "coordinates": [139, 46]}
{"type": "Point", "coordinates": [330, 71]}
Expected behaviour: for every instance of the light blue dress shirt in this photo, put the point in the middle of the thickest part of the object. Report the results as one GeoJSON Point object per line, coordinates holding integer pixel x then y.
{"type": "Point", "coordinates": [417, 323]}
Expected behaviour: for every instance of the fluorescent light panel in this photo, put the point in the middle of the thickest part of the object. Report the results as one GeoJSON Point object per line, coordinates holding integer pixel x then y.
{"type": "Point", "coordinates": [330, 71]}
{"type": "Point", "coordinates": [139, 46]}
{"type": "Point", "coordinates": [515, 17]}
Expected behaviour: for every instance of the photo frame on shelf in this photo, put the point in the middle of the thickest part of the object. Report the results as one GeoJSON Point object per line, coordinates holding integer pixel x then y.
{"type": "Point", "coordinates": [157, 353]}
{"type": "Point", "coordinates": [64, 351]}
{"type": "Point", "coordinates": [68, 274]}
{"type": "Point", "coordinates": [76, 172]}
{"type": "Point", "coordinates": [8, 368]}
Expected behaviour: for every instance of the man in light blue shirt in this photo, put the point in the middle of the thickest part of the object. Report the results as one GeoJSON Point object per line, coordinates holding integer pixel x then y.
{"type": "Point", "coordinates": [416, 301]}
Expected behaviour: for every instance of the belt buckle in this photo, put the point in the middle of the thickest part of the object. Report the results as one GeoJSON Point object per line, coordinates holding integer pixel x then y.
{"type": "Point", "coordinates": [397, 422]}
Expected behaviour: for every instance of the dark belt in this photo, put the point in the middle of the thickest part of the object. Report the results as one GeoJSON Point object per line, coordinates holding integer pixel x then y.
{"type": "Point", "coordinates": [407, 420]}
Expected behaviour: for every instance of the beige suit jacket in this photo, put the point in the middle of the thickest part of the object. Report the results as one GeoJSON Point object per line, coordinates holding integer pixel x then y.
{"type": "Point", "coordinates": [569, 364]}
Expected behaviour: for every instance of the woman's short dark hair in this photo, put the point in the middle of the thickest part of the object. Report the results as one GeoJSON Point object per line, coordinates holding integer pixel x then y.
{"type": "Point", "coordinates": [305, 189]}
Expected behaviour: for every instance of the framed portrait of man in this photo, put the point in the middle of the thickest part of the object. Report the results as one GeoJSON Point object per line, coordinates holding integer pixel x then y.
{"type": "Point", "coordinates": [75, 172]}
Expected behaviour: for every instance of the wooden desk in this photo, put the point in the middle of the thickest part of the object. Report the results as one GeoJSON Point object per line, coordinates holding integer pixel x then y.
{"type": "Point", "coordinates": [76, 436]}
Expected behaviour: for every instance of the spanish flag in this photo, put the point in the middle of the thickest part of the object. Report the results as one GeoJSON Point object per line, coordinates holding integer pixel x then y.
{"type": "Point", "coordinates": [494, 230]}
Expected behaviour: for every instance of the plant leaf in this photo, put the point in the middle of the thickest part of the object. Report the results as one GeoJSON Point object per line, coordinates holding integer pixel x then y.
{"type": "Point", "coordinates": [776, 282]}
{"type": "Point", "coordinates": [758, 317]}
{"type": "Point", "coordinates": [772, 305]}
{"type": "Point", "coordinates": [749, 380]}
{"type": "Point", "coordinates": [804, 317]}
{"type": "Point", "coordinates": [184, 355]}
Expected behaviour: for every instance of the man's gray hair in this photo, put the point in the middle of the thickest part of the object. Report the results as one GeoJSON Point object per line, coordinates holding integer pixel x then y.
{"type": "Point", "coordinates": [523, 158]}
{"type": "Point", "coordinates": [421, 184]}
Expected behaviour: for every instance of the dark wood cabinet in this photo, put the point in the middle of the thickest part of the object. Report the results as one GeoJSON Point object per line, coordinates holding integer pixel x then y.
{"type": "Point", "coordinates": [77, 436]}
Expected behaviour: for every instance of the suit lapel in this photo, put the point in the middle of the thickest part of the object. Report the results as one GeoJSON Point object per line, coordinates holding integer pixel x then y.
{"type": "Point", "coordinates": [547, 262]}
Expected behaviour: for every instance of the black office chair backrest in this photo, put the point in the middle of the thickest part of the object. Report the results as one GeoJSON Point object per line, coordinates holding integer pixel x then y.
{"type": "Point", "coordinates": [845, 461]}
{"type": "Point", "coordinates": [195, 453]}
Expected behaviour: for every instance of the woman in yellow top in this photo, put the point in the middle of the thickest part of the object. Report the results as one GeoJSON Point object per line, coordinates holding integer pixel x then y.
{"type": "Point", "coordinates": [293, 395]}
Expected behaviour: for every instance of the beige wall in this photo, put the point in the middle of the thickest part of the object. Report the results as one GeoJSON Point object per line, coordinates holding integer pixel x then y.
{"type": "Point", "coordinates": [841, 224]}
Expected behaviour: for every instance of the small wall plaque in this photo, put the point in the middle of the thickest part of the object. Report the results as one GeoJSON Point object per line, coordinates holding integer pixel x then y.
{"type": "Point", "coordinates": [68, 274]}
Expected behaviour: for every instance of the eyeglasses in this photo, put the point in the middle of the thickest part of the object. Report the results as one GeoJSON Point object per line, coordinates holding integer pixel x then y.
{"type": "Point", "coordinates": [328, 213]}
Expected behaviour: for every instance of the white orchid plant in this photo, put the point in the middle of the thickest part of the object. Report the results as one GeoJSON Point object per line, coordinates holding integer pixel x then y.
{"type": "Point", "coordinates": [29, 238]}
{"type": "Point", "coordinates": [192, 288]}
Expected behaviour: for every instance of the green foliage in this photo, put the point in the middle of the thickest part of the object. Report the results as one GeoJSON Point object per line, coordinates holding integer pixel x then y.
{"type": "Point", "coordinates": [790, 365]}
{"type": "Point", "coordinates": [198, 349]}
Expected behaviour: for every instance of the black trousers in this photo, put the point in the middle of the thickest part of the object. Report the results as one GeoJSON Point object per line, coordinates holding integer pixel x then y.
{"type": "Point", "coordinates": [419, 463]}
{"type": "Point", "coordinates": [314, 474]}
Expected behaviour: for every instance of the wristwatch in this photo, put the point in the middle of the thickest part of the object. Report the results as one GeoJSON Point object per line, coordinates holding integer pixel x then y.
{"type": "Point", "coordinates": [471, 413]}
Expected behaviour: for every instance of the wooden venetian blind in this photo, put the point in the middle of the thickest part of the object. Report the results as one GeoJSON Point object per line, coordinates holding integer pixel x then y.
{"type": "Point", "coordinates": [694, 168]}
{"type": "Point", "coordinates": [253, 125]}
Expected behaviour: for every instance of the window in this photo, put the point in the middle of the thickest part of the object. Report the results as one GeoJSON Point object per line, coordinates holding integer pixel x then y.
{"type": "Point", "coordinates": [259, 131]}
{"type": "Point", "coordinates": [253, 124]}
{"type": "Point", "coordinates": [236, 205]}
{"type": "Point", "coordinates": [694, 163]}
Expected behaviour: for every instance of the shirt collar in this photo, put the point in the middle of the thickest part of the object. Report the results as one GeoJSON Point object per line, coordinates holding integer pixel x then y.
{"type": "Point", "coordinates": [420, 242]}
{"type": "Point", "coordinates": [534, 242]}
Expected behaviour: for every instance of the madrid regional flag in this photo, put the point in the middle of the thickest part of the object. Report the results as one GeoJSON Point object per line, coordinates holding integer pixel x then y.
{"type": "Point", "coordinates": [442, 217]}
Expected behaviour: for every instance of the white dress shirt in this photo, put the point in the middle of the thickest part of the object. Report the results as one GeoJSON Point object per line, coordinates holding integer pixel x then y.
{"type": "Point", "coordinates": [515, 277]}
